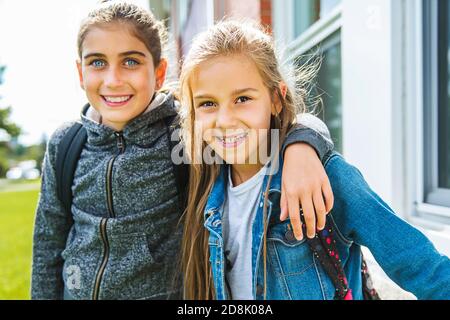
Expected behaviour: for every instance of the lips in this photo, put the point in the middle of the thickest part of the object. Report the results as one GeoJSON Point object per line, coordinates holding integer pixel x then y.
{"type": "Point", "coordinates": [117, 101]}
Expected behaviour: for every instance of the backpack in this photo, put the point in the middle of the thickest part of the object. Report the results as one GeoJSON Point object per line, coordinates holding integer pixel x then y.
{"type": "Point", "coordinates": [69, 151]}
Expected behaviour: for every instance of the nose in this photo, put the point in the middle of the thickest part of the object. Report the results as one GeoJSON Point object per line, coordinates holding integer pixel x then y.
{"type": "Point", "coordinates": [113, 78]}
{"type": "Point", "coordinates": [225, 118]}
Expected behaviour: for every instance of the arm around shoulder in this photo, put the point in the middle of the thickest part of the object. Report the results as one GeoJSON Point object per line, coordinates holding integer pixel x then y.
{"type": "Point", "coordinates": [311, 130]}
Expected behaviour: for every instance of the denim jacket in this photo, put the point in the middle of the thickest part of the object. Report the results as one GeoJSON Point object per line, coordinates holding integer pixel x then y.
{"type": "Point", "coordinates": [360, 218]}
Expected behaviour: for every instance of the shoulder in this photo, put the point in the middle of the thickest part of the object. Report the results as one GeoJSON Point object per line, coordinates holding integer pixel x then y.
{"type": "Point", "coordinates": [352, 194]}
{"type": "Point", "coordinates": [61, 131]}
{"type": "Point", "coordinates": [56, 138]}
{"type": "Point", "coordinates": [355, 204]}
{"type": "Point", "coordinates": [343, 176]}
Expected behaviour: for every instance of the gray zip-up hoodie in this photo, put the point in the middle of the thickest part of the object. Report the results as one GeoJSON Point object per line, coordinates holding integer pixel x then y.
{"type": "Point", "coordinates": [122, 239]}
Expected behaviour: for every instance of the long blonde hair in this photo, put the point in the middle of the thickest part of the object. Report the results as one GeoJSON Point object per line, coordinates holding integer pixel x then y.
{"type": "Point", "coordinates": [224, 39]}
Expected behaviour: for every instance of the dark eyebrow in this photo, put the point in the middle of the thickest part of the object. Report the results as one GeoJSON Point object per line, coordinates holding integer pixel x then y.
{"type": "Point", "coordinates": [134, 52]}
{"type": "Point", "coordinates": [127, 53]}
{"type": "Point", "coordinates": [100, 55]}
{"type": "Point", "coordinates": [234, 93]}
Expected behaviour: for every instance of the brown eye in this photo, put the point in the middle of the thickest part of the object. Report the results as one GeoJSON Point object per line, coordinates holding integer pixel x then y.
{"type": "Point", "coordinates": [242, 99]}
{"type": "Point", "coordinates": [207, 105]}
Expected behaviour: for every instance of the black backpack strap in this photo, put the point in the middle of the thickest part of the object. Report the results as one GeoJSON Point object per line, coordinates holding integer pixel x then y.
{"type": "Point", "coordinates": [369, 292]}
{"type": "Point", "coordinates": [68, 153]}
{"type": "Point", "coordinates": [181, 171]}
{"type": "Point", "coordinates": [324, 248]}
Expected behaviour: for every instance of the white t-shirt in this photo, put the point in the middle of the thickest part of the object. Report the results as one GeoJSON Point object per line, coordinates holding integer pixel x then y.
{"type": "Point", "coordinates": [240, 206]}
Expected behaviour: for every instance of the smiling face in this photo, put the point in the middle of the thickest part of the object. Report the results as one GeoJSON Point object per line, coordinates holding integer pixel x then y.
{"type": "Point", "coordinates": [117, 73]}
{"type": "Point", "coordinates": [232, 105]}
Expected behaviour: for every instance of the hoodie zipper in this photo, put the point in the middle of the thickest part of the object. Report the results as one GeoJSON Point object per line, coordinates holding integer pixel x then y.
{"type": "Point", "coordinates": [103, 223]}
{"type": "Point", "coordinates": [121, 146]}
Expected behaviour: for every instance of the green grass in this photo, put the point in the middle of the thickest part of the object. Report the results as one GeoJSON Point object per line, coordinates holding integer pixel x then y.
{"type": "Point", "coordinates": [16, 228]}
{"type": "Point", "coordinates": [18, 185]}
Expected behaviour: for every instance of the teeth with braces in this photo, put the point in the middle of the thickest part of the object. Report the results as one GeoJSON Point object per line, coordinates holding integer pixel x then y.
{"type": "Point", "coordinates": [232, 139]}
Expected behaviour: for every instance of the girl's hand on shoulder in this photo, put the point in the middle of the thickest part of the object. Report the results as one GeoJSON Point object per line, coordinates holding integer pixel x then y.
{"type": "Point", "coordinates": [305, 184]}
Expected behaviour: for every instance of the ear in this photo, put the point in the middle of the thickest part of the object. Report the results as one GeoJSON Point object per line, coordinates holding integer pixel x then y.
{"type": "Point", "coordinates": [160, 74]}
{"type": "Point", "coordinates": [80, 73]}
{"type": "Point", "coordinates": [277, 105]}
{"type": "Point", "coordinates": [283, 89]}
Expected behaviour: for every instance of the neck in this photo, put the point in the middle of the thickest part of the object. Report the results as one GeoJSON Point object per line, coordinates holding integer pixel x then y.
{"type": "Point", "coordinates": [116, 126]}
{"type": "Point", "coordinates": [241, 173]}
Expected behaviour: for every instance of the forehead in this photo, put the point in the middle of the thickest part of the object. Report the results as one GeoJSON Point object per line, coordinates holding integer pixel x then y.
{"type": "Point", "coordinates": [227, 73]}
{"type": "Point", "coordinates": [112, 39]}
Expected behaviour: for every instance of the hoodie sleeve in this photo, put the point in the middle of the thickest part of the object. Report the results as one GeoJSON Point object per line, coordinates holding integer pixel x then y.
{"type": "Point", "coordinates": [51, 228]}
{"type": "Point", "coordinates": [311, 130]}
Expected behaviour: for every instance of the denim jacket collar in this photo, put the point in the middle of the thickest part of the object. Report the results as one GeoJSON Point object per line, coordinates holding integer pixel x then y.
{"type": "Point", "coordinates": [217, 195]}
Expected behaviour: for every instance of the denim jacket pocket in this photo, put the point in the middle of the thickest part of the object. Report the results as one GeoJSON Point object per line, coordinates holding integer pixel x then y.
{"type": "Point", "coordinates": [287, 255]}
{"type": "Point", "coordinates": [293, 273]}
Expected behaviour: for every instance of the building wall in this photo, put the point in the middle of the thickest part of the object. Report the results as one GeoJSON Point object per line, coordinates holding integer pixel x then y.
{"type": "Point", "coordinates": [266, 12]}
{"type": "Point", "coordinates": [382, 134]}
{"type": "Point", "coordinates": [381, 69]}
{"type": "Point", "coordinates": [368, 139]}
{"type": "Point", "coordinates": [249, 9]}
{"type": "Point", "coordinates": [186, 18]}
{"type": "Point", "coordinates": [382, 98]}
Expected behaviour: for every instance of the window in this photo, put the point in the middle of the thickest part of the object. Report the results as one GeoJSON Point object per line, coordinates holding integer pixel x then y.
{"type": "Point", "coordinates": [330, 88]}
{"type": "Point", "coordinates": [317, 26]}
{"type": "Point", "coordinates": [437, 103]}
{"type": "Point", "coordinates": [309, 11]}
{"type": "Point", "coordinates": [444, 94]}
{"type": "Point", "coordinates": [161, 8]}
{"type": "Point", "coordinates": [184, 19]}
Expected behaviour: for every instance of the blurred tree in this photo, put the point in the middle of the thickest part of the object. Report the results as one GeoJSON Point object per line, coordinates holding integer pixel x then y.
{"type": "Point", "coordinates": [8, 130]}
{"type": "Point", "coordinates": [11, 151]}
{"type": "Point", "coordinates": [6, 126]}
{"type": "Point", "coordinates": [2, 71]}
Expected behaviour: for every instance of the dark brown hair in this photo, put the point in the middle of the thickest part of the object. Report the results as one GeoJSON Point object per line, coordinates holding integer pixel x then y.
{"type": "Point", "coordinates": [142, 24]}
